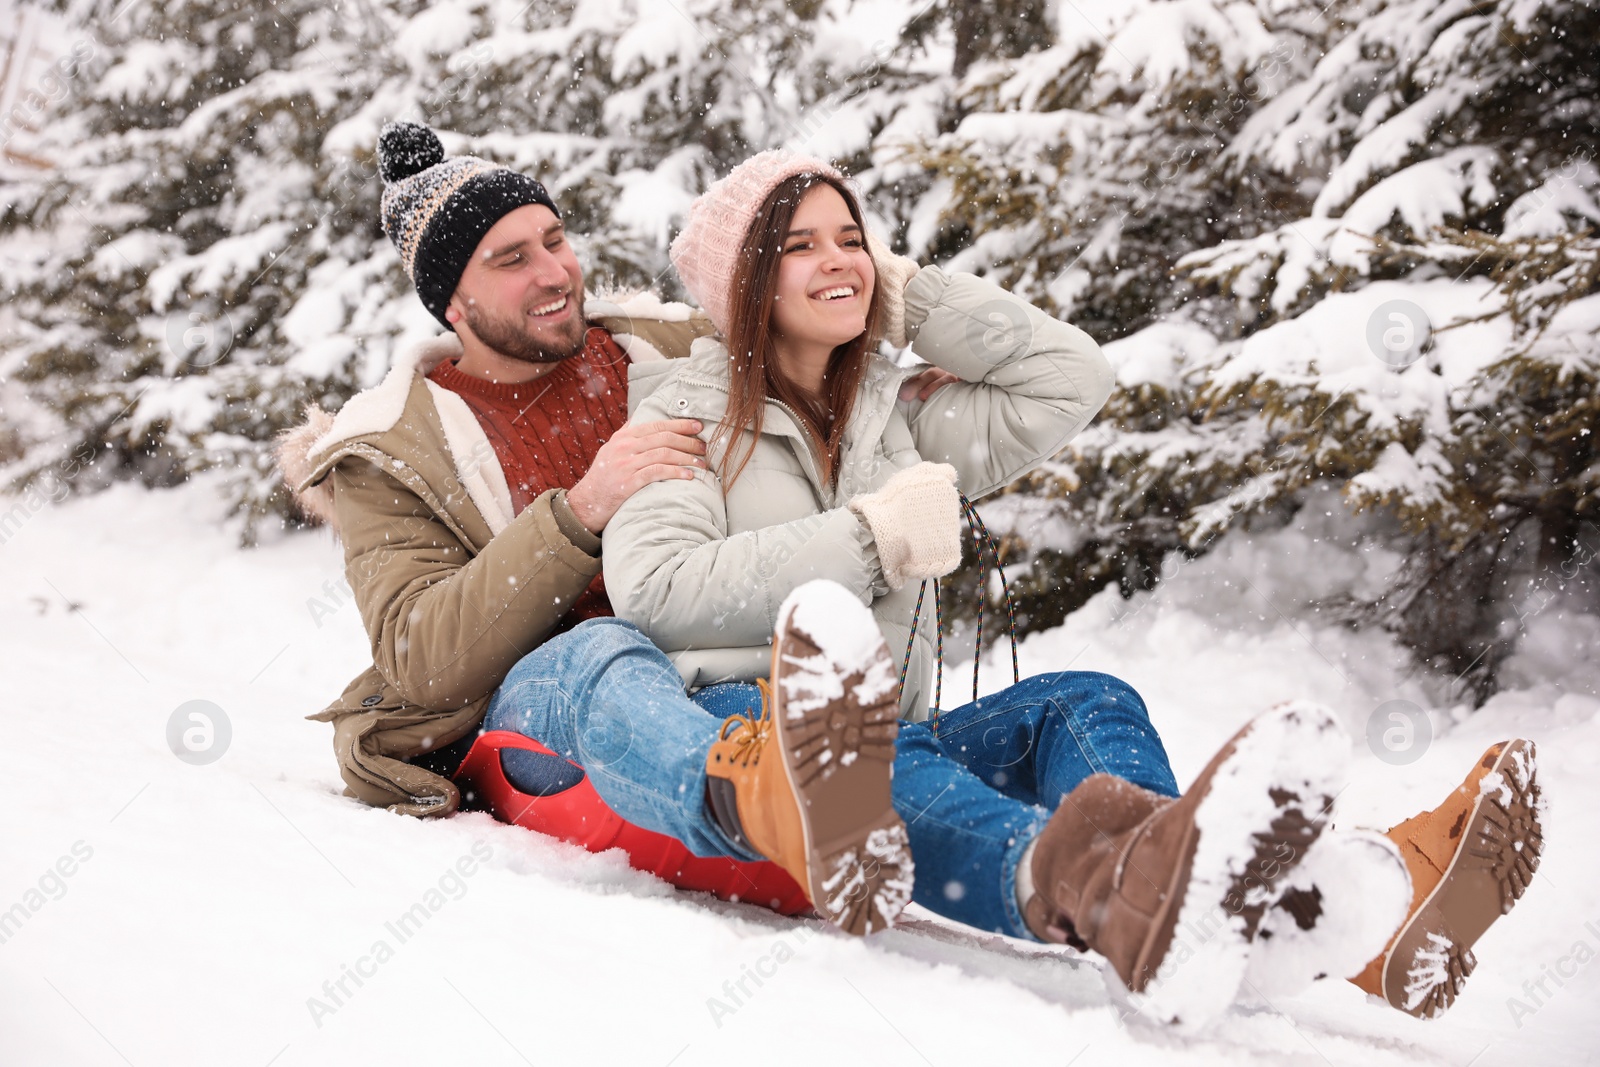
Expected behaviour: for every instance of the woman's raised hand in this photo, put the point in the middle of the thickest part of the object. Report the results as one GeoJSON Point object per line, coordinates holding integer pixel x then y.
{"type": "Point", "coordinates": [894, 274]}
{"type": "Point", "coordinates": [915, 520]}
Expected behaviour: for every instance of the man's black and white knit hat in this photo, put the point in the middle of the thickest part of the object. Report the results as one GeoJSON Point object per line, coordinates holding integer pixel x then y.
{"type": "Point", "coordinates": [436, 210]}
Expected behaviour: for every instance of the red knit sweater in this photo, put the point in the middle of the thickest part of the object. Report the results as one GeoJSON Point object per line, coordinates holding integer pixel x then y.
{"type": "Point", "coordinates": [546, 432]}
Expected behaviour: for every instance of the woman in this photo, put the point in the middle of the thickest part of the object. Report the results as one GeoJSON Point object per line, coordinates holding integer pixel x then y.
{"type": "Point", "coordinates": [1027, 808]}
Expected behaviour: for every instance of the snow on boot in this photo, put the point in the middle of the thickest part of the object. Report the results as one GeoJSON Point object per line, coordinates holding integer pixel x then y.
{"type": "Point", "coordinates": [1341, 904]}
{"type": "Point", "coordinates": [808, 783]}
{"type": "Point", "coordinates": [1470, 859]}
{"type": "Point", "coordinates": [1171, 892]}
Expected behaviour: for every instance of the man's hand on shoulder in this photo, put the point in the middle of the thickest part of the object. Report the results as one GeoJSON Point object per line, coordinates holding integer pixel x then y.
{"type": "Point", "coordinates": [639, 453]}
{"type": "Point", "coordinates": [922, 385]}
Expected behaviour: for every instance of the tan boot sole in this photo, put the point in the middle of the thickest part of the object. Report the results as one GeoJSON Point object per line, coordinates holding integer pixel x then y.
{"type": "Point", "coordinates": [839, 761]}
{"type": "Point", "coordinates": [1428, 964]}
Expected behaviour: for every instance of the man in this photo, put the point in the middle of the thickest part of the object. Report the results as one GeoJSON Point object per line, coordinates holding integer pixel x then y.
{"type": "Point", "coordinates": [465, 547]}
{"type": "Point", "coordinates": [469, 488]}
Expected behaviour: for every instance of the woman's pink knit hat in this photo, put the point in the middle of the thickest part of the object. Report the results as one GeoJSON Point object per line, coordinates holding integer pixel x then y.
{"type": "Point", "coordinates": [706, 253]}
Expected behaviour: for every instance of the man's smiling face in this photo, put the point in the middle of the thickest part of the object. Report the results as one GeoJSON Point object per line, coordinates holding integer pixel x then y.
{"type": "Point", "coordinates": [522, 294]}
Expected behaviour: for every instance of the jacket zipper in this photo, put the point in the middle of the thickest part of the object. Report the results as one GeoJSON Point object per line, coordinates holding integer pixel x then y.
{"type": "Point", "coordinates": [811, 455]}
{"type": "Point", "coordinates": [816, 466]}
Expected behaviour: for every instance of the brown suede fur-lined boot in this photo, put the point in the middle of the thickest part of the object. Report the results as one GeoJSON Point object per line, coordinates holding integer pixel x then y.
{"type": "Point", "coordinates": [1171, 891]}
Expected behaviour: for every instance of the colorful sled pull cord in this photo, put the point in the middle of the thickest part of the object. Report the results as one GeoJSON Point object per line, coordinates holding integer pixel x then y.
{"type": "Point", "coordinates": [983, 540]}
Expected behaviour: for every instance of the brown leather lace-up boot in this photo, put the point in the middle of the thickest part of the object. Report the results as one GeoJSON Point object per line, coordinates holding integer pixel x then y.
{"type": "Point", "coordinates": [807, 783]}
{"type": "Point", "coordinates": [1171, 891]}
{"type": "Point", "coordinates": [1470, 859]}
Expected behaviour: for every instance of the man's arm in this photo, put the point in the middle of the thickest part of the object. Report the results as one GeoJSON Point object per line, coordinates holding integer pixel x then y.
{"type": "Point", "coordinates": [446, 626]}
{"type": "Point", "coordinates": [636, 455]}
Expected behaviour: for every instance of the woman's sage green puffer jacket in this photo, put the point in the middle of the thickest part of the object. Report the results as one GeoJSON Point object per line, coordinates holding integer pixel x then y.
{"type": "Point", "coordinates": [702, 568]}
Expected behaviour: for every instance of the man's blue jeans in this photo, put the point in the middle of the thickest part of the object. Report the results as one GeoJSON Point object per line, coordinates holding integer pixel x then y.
{"type": "Point", "coordinates": [972, 797]}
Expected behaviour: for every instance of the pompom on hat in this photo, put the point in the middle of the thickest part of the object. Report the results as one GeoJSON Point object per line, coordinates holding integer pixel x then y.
{"type": "Point", "coordinates": [706, 253]}
{"type": "Point", "coordinates": [436, 210]}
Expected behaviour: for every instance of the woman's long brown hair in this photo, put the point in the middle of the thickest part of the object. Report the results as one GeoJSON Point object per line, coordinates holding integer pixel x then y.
{"type": "Point", "coordinates": [754, 371]}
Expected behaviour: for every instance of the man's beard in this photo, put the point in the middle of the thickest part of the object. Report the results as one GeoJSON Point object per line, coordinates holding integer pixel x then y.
{"type": "Point", "coordinates": [510, 336]}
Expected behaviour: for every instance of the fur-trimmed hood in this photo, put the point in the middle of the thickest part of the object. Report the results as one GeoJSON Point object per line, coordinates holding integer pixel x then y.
{"type": "Point", "coordinates": [303, 452]}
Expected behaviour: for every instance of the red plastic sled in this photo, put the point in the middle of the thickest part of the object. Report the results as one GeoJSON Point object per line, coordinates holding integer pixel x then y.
{"type": "Point", "coordinates": [577, 814]}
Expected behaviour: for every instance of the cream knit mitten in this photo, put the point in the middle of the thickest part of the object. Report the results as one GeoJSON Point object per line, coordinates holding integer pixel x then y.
{"type": "Point", "coordinates": [894, 274]}
{"type": "Point", "coordinates": [915, 519]}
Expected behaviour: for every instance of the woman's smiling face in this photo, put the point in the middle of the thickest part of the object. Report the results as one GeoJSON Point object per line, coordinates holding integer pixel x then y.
{"type": "Point", "coordinates": [825, 276]}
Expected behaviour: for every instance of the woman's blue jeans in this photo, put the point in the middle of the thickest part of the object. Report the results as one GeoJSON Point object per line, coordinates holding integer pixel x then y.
{"type": "Point", "coordinates": [972, 797]}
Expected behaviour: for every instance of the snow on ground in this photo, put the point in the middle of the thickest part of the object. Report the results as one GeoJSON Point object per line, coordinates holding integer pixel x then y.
{"type": "Point", "coordinates": [178, 914]}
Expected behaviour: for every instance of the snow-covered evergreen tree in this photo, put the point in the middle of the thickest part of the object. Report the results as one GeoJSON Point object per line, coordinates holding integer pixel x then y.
{"type": "Point", "coordinates": [200, 262]}
{"type": "Point", "coordinates": [205, 257]}
{"type": "Point", "coordinates": [1402, 303]}
{"type": "Point", "coordinates": [1347, 244]}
